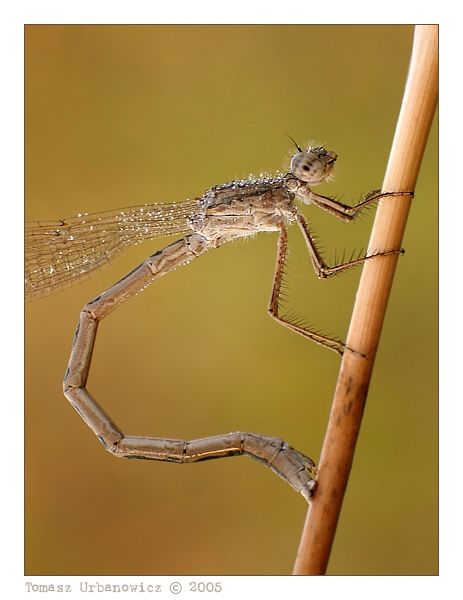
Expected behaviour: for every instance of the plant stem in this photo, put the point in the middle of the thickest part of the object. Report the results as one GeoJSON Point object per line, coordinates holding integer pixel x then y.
{"type": "Point", "coordinates": [416, 115]}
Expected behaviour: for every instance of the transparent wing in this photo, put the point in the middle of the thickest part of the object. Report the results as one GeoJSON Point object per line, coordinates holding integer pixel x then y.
{"type": "Point", "coordinates": [60, 254]}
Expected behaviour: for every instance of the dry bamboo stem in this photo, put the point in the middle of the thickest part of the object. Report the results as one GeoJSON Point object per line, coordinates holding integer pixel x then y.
{"type": "Point", "coordinates": [416, 115]}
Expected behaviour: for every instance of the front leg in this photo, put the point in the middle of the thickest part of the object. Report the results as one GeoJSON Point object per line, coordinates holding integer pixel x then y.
{"type": "Point", "coordinates": [346, 212]}
{"type": "Point", "coordinates": [334, 207]}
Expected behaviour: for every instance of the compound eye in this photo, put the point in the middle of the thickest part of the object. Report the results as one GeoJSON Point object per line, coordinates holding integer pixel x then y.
{"type": "Point", "coordinates": [308, 168]}
{"type": "Point", "coordinates": [313, 167]}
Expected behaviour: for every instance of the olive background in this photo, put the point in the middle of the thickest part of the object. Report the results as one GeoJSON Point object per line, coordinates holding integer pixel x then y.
{"type": "Point", "coordinates": [126, 115]}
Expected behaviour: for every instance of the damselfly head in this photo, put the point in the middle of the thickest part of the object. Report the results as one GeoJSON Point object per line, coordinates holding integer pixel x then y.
{"type": "Point", "coordinates": [313, 166]}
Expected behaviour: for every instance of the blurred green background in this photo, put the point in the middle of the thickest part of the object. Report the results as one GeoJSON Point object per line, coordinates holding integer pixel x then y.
{"type": "Point", "coordinates": [126, 115]}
